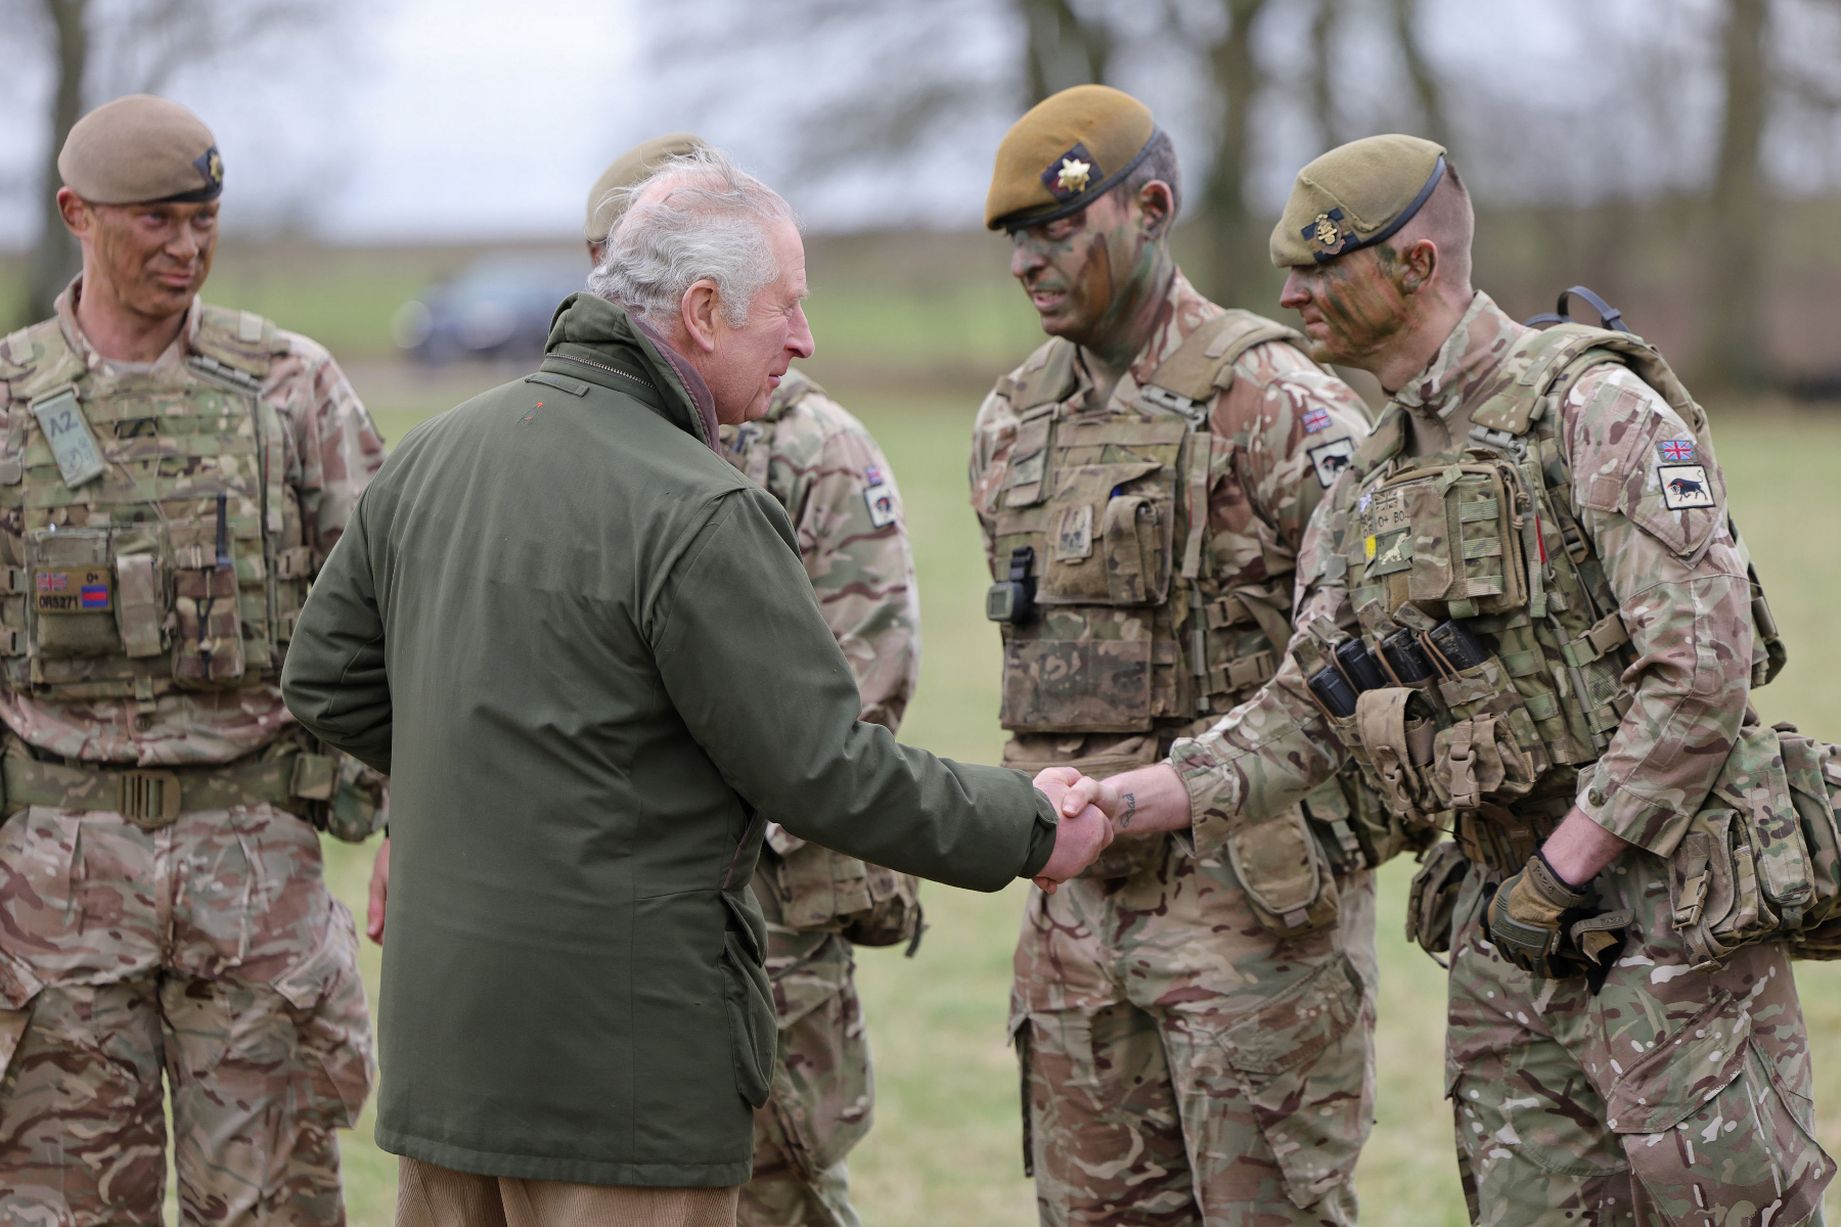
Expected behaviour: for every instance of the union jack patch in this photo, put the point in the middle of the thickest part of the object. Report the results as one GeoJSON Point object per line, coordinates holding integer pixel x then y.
{"type": "Point", "coordinates": [1677, 451]}
{"type": "Point", "coordinates": [1316, 420]}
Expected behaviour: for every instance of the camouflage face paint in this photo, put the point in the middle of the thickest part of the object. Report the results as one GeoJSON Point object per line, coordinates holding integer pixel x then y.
{"type": "Point", "coordinates": [1350, 308]}
{"type": "Point", "coordinates": [1070, 269]}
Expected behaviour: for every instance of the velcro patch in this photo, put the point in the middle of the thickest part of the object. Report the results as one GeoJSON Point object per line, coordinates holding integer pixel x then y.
{"type": "Point", "coordinates": [70, 590]}
{"type": "Point", "coordinates": [1684, 486]}
{"type": "Point", "coordinates": [881, 503]}
{"type": "Point", "coordinates": [1330, 459]}
{"type": "Point", "coordinates": [1074, 533]}
{"type": "Point", "coordinates": [1316, 420]}
{"type": "Point", "coordinates": [1676, 451]}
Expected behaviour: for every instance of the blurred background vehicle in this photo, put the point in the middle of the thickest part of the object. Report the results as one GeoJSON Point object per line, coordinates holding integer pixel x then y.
{"type": "Point", "coordinates": [498, 307]}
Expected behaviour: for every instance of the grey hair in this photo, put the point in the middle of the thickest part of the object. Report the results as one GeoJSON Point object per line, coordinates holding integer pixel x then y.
{"type": "Point", "coordinates": [697, 216]}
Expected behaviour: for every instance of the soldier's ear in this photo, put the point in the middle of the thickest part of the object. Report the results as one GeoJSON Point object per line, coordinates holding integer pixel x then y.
{"type": "Point", "coordinates": [75, 211]}
{"type": "Point", "coordinates": [1156, 208]}
{"type": "Point", "coordinates": [1417, 266]}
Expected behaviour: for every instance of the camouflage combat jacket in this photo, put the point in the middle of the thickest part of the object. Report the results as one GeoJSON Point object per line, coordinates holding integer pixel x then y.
{"type": "Point", "coordinates": [126, 643]}
{"type": "Point", "coordinates": [1575, 526]}
{"type": "Point", "coordinates": [1162, 530]}
{"type": "Point", "coordinates": [821, 464]}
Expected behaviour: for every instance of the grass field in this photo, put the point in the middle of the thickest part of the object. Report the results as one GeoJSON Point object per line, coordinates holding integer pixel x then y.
{"type": "Point", "coordinates": [946, 1145]}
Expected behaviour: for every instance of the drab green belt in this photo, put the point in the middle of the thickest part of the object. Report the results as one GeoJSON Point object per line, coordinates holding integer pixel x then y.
{"type": "Point", "coordinates": [155, 797]}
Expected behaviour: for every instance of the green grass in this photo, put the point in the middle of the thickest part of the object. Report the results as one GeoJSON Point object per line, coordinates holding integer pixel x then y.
{"type": "Point", "coordinates": [946, 1145]}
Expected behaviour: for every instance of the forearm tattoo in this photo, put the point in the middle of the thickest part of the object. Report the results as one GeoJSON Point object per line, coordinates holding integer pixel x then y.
{"type": "Point", "coordinates": [1131, 809]}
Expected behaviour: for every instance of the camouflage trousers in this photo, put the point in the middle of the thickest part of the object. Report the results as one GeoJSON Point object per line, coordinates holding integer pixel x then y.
{"type": "Point", "coordinates": [823, 1090]}
{"type": "Point", "coordinates": [208, 952]}
{"type": "Point", "coordinates": [1670, 1096]}
{"type": "Point", "coordinates": [1181, 1064]}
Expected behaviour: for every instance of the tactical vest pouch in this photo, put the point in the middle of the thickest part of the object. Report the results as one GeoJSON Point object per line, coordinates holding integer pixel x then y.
{"type": "Point", "coordinates": [1742, 871]}
{"type": "Point", "coordinates": [1488, 689]}
{"type": "Point", "coordinates": [208, 638]}
{"type": "Point", "coordinates": [1478, 760]}
{"type": "Point", "coordinates": [71, 598]}
{"type": "Point", "coordinates": [1395, 728]}
{"type": "Point", "coordinates": [1108, 546]}
{"type": "Point", "coordinates": [1087, 671]}
{"type": "Point", "coordinates": [1448, 540]}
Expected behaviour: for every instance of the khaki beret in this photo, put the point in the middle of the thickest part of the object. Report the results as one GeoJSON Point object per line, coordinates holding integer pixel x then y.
{"type": "Point", "coordinates": [1064, 153]}
{"type": "Point", "coordinates": [140, 149]}
{"type": "Point", "coordinates": [1355, 196]}
{"type": "Point", "coordinates": [627, 170]}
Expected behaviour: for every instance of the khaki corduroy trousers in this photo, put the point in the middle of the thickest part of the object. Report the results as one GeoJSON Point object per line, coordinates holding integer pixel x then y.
{"type": "Point", "coordinates": [428, 1195]}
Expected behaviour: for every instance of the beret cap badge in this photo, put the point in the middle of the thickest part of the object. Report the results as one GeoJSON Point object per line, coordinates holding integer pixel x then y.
{"type": "Point", "coordinates": [1074, 174]}
{"type": "Point", "coordinates": [1324, 229]}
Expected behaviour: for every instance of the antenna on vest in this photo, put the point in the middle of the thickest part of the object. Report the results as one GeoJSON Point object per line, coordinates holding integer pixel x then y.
{"type": "Point", "coordinates": [1609, 316]}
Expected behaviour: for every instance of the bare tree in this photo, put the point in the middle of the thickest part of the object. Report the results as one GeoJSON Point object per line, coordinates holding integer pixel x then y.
{"type": "Point", "coordinates": [54, 256]}
{"type": "Point", "coordinates": [1424, 77]}
{"type": "Point", "coordinates": [1063, 47]}
{"type": "Point", "coordinates": [1323, 26]}
{"type": "Point", "coordinates": [1734, 341]}
{"type": "Point", "coordinates": [1230, 275]}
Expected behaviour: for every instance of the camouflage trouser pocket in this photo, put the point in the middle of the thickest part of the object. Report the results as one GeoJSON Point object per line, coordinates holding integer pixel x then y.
{"type": "Point", "coordinates": [1287, 879]}
{"type": "Point", "coordinates": [821, 1085]}
{"type": "Point", "coordinates": [1710, 1130]}
{"type": "Point", "coordinates": [326, 994]}
{"type": "Point", "coordinates": [1303, 1061]}
{"type": "Point", "coordinates": [1431, 904]}
{"type": "Point", "coordinates": [18, 988]}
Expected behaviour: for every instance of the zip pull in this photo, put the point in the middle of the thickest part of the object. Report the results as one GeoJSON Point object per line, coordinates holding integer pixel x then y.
{"type": "Point", "coordinates": [223, 532]}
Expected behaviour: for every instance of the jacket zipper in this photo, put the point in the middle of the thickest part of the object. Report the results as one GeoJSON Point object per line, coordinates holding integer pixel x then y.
{"type": "Point", "coordinates": [602, 366]}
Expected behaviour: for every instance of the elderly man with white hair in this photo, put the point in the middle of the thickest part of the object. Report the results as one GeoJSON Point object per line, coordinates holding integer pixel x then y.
{"type": "Point", "coordinates": [584, 647]}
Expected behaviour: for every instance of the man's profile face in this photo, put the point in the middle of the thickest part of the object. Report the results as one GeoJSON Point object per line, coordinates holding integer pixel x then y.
{"type": "Point", "coordinates": [747, 362]}
{"type": "Point", "coordinates": [1350, 308]}
{"type": "Point", "coordinates": [1076, 269]}
{"type": "Point", "coordinates": [151, 259]}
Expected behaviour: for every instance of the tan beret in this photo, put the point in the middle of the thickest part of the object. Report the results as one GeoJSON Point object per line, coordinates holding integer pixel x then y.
{"type": "Point", "coordinates": [139, 149]}
{"type": "Point", "coordinates": [1064, 153]}
{"type": "Point", "coordinates": [604, 206]}
{"type": "Point", "coordinates": [1355, 196]}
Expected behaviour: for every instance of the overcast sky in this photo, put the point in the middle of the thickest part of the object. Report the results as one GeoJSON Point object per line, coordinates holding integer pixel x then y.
{"type": "Point", "coordinates": [462, 119]}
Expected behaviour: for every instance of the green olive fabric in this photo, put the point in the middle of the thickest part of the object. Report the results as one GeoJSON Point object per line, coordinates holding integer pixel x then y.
{"type": "Point", "coordinates": [584, 647]}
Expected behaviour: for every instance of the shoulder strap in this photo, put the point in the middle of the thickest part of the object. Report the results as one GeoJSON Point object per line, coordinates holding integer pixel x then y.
{"type": "Point", "coordinates": [1203, 365]}
{"type": "Point", "coordinates": [38, 359]}
{"type": "Point", "coordinates": [1045, 378]}
{"type": "Point", "coordinates": [238, 345]}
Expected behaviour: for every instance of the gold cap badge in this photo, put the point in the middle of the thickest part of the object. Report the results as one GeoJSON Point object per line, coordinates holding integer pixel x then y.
{"type": "Point", "coordinates": [1073, 174]}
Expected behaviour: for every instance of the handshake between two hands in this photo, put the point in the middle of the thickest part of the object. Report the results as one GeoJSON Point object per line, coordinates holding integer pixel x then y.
{"type": "Point", "coordinates": [1093, 811]}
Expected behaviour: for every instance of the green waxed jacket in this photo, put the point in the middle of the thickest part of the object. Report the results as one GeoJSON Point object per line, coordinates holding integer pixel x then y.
{"type": "Point", "coordinates": [584, 648]}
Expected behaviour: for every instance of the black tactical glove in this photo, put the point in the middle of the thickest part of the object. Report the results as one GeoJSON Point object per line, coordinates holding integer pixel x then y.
{"type": "Point", "coordinates": [1526, 919]}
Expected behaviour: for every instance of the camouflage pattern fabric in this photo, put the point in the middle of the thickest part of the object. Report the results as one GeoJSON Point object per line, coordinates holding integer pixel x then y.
{"type": "Point", "coordinates": [820, 463]}
{"type": "Point", "coordinates": [1678, 1098]}
{"type": "Point", "coordinates": [208, 951]}
{"type": "Point", "coordinates": [1181, 1065]}
{"type": "Point", "coordinates": [1671, 572]}
{"type": "Point", "coordinates": [1167, 1036]}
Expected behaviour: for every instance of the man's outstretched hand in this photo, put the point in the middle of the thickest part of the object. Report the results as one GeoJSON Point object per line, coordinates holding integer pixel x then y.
{"type": "Point", "coordinates": [1082, 834]}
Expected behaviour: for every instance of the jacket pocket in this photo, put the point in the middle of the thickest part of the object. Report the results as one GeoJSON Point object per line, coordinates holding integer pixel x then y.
{"type": "Point", "coordinates": [748, 997]}
{"type": "Point", "coordinates": [19, 988]}
{"type": "Point", "coordinates": [332, 1023]}
{"type": "Point", "coordinates": [1303, 1060]}
{"type": "Point", "coordinates": [1705, 1122]}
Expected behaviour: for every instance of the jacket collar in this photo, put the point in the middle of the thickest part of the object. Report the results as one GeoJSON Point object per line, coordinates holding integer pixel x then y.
{"type": "Point", "coordinates": [596, 340]}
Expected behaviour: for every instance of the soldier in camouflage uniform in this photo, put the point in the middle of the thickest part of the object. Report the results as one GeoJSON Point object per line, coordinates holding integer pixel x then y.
{"type": "Point", "coordinates": [173, 475]}
{"type": "Point", "coordinates": [1195, 1034]}
{"type": "Point", "coordinates": [1533, 547]}
{"type": "Point", "coordinates": [821, 464]}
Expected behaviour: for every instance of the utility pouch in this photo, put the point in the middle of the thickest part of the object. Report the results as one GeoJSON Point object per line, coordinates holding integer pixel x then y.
{"type": "Point", "coordinates": [1395, 726]}
{"type": "Point", "coordinates": [1431, 902]}
{"type": "Point", "coordinates": [71, 599]}
{"type": "Point", "coordinates": [1812, 769]}
{"type": "Point", "coordinates": [893, 915]}
{"type": "Point", "coordinates": [1486, 689]}
{"type": "Point", "coordinates": [1478, 760]}
{"type": "Point", "coordinates": [1110, 535]}
{"type": "Point", "coordinates": [208, 630]}
{"type": "Point", "coordinates": [1128, 854]}
{"type": "Point", "coordinates": [1282, 868]}
{"type": "Point", "coordinates": [1448, 538]}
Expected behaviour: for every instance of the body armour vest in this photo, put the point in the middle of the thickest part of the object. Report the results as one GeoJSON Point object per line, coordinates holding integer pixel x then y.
{"type": "Point", "coordinates": [1482, 605]}
{"type": "Point", "coordinates": [1112, 620]}
{"type": "Point", "coordinates": [175, 557]}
